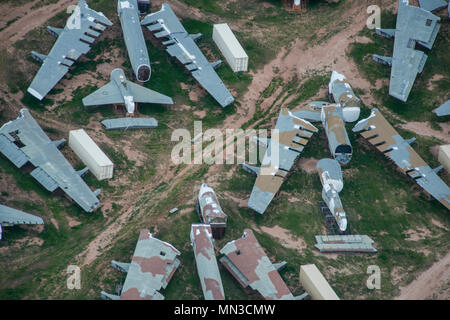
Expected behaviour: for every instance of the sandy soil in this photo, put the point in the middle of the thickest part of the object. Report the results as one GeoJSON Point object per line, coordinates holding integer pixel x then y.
{"type": "Point", "coordinates": [429, 282]}
{"type": "Point", "coordinates": [285, 238]}
{"type": "Point", "coordinates": [308, 164]}
{"type": "Point", "coordinates": [424, 129]}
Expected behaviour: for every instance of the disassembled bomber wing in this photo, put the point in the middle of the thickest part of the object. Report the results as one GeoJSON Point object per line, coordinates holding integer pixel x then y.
{"type": "Point", "coordinates": [153, 264]}
{"type": "Point", "coordinates": [182, 45]}
{"type": "Point", "coordinates": [22, 140]}
{"type": "Point", "coordinates": [81, 30]}
{"type": "Point", "coordinates": [432, 5]}
{"type": "Point", "coordinates": [205, 259]}
{"type": "Point", "coordinates": [287, 142]}
{"type": "Point", "coordinates": [246, 260]}
{"type": "Point", "coordinates": [10, 216]}
{"type": "Point", "coordinates": [414, 25]}
{"type": "Point", "coordinates": [377, 130]}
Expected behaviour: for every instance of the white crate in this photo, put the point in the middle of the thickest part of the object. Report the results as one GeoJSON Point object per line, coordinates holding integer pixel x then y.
{"type": "Point", "coordinates": [230, 47]}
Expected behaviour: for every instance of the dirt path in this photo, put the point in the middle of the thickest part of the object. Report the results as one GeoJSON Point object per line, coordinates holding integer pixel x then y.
{"type": "Point", "coordinates": [429, 282]}
{"type": "Point", "coordinates": [424, 129]}
{"type": "Point", "coordinates": [33, 19]}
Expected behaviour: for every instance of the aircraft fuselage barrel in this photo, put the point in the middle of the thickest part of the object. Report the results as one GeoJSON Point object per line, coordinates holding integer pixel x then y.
{"type": "Point", "coordinates": [134, 39]}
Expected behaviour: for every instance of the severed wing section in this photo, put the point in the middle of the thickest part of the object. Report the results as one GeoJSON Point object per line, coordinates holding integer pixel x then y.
{"type": "Point", "coordinates": [108, 94]}
{"type": "Point", "coordinates": [144, 95]}
{"type": "Point", "coordinates": [10, 216]}
{"type": "Point", "coordinates": [290, 136]}
{"type": "Point", "coordinates": [152, 267]}
{"type": "Point", "coordinates": [182, 46]}
{"type": "Point", "coordinates": [22, 140]}
{"type": "Point", "coordinates": [414, 25]}
{"type": "Point", "coordinates": [377, 130]}
{"type": "Point", "coordinates": [81, 30]}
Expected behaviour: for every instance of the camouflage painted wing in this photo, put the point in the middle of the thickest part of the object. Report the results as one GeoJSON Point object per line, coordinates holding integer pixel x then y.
{"type": "Point", "coordinates": [81, 30]}
{"type": "Point", "coordinates": [377, 130]}
{"type": "Point", "coordinates": [288, 141]}
{"type": "Point", "coordinates": [153, 265]}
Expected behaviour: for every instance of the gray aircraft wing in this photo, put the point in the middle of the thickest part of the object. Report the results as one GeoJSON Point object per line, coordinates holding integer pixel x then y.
{"type": "Point", "coordinates": [108, 94]}
{"type": "Point", "coordinates": [377, 130]}
{"type": "Point", "coordinates": [10, 216]}
{"type": "Point", "coordinates": [144, 95]}
{"type": "Point", "coordinates": [22, 140]}
{"type": "Point", "coordinates": [81, 30]}
{"type": "Point", "coordinates": [414, 25]}
{"type": "Point", "coordinates": [443, 110]}
{"type": "Point", "coordinates": [181, 45]}
{"type": "Point", "coordinates": [282, 152]}
{"type": "Point", "coordinates": [432, 5]}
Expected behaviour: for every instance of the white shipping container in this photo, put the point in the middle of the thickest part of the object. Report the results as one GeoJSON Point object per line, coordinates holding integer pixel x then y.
{"type": "Point", "coordinates": [315, 283]}
{"type": "Point", "coordinates": [230, 47]}
{"type": "Point", "coordinates": [444, 156]}
{"type": "Point", "coordinates": [90, 154]}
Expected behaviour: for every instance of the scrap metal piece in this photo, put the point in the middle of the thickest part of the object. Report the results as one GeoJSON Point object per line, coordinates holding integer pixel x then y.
{"type": "Point", "coordinates": [205, 259]}
{"type": "Point", "coordinates": [22, 140]}
{"type": "Point", "coordinates": [10, 217]}
{"type": "Point", "coordinates": [432, 5]}
{"type": "Point", "coordinates": [330, 174]}
{"type": "Point", "coordinates": [377, 130]}
{"type": "Point", "coordinates": [246, 260]}
{"type": "Point", "coordinates": [153, 264]}
{"type": "Point", "coordinates": [210, 212]}
{"type": "Point", "coordinates": [181, 45]}
{"type": "Point", "coordinates": [414, 25]}
{"type": "Point", "coordinates": [121, 91]}
{"type": "Point", "coordinates": [81, 30]}
{"type": "Point", "coordinates": [341, 92]}
{"type": "Point", "coordinates": [288, 141]}
{"type": "Point", "coordinates": [130, 123]}
{"type": "Point", "coordinates": [134, 38]}
{"type": "Point", "coordinates": [443, 110]}
{"type": "Point", "coordinates": [344, 243]}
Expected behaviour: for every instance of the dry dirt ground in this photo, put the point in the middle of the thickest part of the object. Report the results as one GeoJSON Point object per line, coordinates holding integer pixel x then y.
{"type": "Point", "coordinates": [298, 60]}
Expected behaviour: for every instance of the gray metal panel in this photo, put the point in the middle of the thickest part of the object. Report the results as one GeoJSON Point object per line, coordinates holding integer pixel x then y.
{"type": "Point", "coordinates": [52, 169]}
{"type": "Point", "coordinates": [413, 25]}
{"type": "Point", "coordinates": [130, 123]}
{"type": "Point", "coordinates": [187, 52]}
{"type": "Point", "coordinates": [344, 243]}
{"type": "Point", "coordinates": [12, 216]}
{"type": "Point", "coordinates": [68, 47]}
{"type": "Point", "coordinates": [12, 152]}
{"type": "Point", "coordinates": [134, 38]}
{"type": "Point", "coordinates": [443, 110]}
{"type": "Point", "coordinates": [431, 5]}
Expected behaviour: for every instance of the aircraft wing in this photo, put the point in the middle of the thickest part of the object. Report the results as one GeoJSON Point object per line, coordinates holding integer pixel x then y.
{"type": "Point", "coordinates": [13, 216]}
{"type": "Point", "coordinates": [153, 265]}
{"type": "Point", "coordinates": [282, 151]}
{"type": "Point", "coordinates": [443, 110]}
{"type": "Point", "coordinates": [145, 95]}
{"type": "Point", "coordinates": [311, 111]}
{"type": "Point", "coordinates": [413, 25]}
{"type": "Point", "coordinates": [377, 130]}
{"type": "Point", "coordinates": [81, 30]}
{"type": "Point", "coordinates": [182, 46]}
{"type": "Point", "coordinates": [108, 94]}
{"type": "Point", "coordinates": [52, 170]}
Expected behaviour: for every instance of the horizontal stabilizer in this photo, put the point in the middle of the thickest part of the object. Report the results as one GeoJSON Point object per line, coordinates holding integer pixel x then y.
{"type": "Point", "coordinates": [382, 60]}
{"type": "Point", "coordinates": [144, 95]}
{"type": "Point", "coordinates": [410, 141]}
{"type": "Point", "coordinates": [54, 31]}
{"type": "Point", "coordinates": [195, 36]}
{"type": "Point", "coordinates": [82, 172]}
